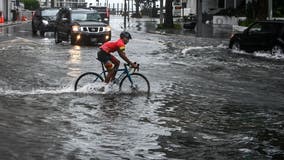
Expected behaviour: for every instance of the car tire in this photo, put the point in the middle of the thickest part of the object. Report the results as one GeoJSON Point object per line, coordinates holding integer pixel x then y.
{"type": "Point", "coordinates": [42, 33]}
{"type": "Point", "coordinates": [235, 46]}
{"type": "Point", "coordinates": [72, 40]}
{"type": "Point", "coordinates": [56, 37]}
{"type": "Point", "coordinates": [276, 50]}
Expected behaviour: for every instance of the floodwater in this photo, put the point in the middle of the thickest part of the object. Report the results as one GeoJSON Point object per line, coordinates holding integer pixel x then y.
{"type": "Point", "coordinates": [206, 101]}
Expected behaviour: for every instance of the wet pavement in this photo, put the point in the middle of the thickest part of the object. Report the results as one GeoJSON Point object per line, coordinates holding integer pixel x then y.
{"type": "Point", "coordinates": [206, 101]}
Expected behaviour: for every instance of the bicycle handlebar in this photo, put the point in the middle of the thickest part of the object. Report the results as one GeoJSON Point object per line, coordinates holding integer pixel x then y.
{"type": "Point", "coordinates": [137, 68]}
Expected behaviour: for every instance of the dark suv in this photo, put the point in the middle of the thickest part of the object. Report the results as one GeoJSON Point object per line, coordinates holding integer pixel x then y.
{"type": "Point", "coordinates": [262, 35]}
{"type": "Point", "coordinates": [43, 20]}
{"type": "Point", "coordinates": [103, 11]}
{"type": "Point", "coordinates": [80, 26]}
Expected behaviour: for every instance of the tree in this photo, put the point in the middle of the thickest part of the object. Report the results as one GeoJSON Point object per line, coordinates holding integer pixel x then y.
{"type": "Point", "coordinates": [147, 4]}
{"type": "Point", "coordinates": [137, 5]}
{"type": "Point", "coordinates": [257, 9]}
{"type": "Point", "coordinates": [262, 10]}
{"type": "Point", "coordinates": [30, 4]}
{"type": "Point", "coordinates": [168, 22]}
{"type": "Point", "coordinates": [278, 8]}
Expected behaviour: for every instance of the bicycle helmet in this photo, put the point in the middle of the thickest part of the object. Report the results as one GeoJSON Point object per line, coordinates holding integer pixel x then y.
{"type": "Point", "coordinates": [125, 34]}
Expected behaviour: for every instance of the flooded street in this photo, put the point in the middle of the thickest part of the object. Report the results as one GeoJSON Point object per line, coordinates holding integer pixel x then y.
{"type": "Point", "coordinates": [206, 101]}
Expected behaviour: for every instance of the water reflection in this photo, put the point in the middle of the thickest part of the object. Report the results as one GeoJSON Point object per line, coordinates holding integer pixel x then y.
{"type": "Point", "coordinates": [74, 60]}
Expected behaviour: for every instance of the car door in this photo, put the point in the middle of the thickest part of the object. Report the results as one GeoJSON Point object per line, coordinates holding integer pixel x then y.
{"type": "Point", "coordinates": [256, 37]}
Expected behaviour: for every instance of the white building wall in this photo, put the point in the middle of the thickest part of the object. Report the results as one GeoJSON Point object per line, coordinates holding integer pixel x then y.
{"type": "Point", "coordinates": [208, 5]}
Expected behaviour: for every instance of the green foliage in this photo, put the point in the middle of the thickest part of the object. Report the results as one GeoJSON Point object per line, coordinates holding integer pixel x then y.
{"type": "Point", "coordinates": [30, 4]}
{"type": "Point", "coordinates": [246, 22]}
{"type": "Point", "coordinates": [175, 26]}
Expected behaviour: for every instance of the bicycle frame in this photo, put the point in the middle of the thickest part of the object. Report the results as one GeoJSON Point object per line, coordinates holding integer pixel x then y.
{"type": "Point", "coordinates": [124, 71]}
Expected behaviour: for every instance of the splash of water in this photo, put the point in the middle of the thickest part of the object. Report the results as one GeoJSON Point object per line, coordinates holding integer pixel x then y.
{"type": "Point", "coordinates": [99, 88]}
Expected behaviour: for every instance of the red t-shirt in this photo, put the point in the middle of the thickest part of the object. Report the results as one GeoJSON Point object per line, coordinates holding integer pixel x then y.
{"type": "Point", "coordinates": [111, 46]}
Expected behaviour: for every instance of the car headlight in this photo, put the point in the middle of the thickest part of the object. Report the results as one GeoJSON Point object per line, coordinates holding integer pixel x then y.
{"type": "Point", "coordinates": [105, 19]}
{"type": "Point", "coordinates": [75, 28]}
{"type": "Point", "coordinates": [45, 22]}
{"type": "Point", "coordinates": [107, 28]}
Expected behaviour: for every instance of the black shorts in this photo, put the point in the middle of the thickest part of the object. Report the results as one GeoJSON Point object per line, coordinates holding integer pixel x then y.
{"type": "Point", "coordinates": [103, 56]}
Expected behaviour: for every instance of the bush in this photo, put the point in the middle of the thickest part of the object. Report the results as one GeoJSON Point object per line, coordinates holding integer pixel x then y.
{"type": "Point", "coordinates": [246, 22]}
{"type": "Point", "coordinates": [175, 26]}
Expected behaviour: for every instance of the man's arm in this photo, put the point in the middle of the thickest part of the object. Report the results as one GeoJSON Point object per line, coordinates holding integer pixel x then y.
{"type": "Point", "coordinates": [124, 57]}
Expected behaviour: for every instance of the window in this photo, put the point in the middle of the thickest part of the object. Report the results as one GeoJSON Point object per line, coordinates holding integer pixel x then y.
{"type": "Point", "coordinates": [86, 17]}
{"type": "Point", "coordinates": [49, 12]}
{"type": "Point", "coordinates": [255, 28]}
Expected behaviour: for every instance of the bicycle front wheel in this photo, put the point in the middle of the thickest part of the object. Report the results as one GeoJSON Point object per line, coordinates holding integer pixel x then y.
{"type": "Point", "coordinates": [139, 84]}
{"type": "Point", "coordinates": [87, 78]}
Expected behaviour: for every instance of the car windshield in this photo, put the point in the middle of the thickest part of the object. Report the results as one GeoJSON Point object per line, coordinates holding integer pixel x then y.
{"type": "Point", "coordinates": [49, 13]}
{"type": "Point", "coordinates": [86, 17]}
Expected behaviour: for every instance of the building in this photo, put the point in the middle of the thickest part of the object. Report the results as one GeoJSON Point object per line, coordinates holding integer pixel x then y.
{"type": "Point", "coordinates": [6, 7]}
{"type": "Point", "coordinates": [64, 3]}
{"type": "Point", "coordinates": [212, 5]}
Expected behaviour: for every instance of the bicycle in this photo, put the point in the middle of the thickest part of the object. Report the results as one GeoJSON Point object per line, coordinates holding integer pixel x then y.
{"type": "Point", "coordinates": [129, 81]}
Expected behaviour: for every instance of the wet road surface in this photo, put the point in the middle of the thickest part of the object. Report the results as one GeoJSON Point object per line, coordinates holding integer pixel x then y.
{"type": "Point", "coordinates": [206, 102]}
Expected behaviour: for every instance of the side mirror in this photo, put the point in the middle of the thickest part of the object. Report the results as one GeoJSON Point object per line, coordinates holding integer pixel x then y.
{"type": "Point", "coordinates": [64, 19]}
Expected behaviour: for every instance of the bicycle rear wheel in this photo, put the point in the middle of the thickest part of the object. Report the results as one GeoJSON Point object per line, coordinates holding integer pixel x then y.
{"type": "Point", "coordinates": [140, 84]}
{"type": "Point", "coordinates": [87, 78]}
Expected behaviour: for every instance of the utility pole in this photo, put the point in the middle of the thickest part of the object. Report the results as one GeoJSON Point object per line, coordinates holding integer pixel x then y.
{"type": "Point", "coordinates": [199, 17]}
{"type": "Point", "coordinates": [128, 8]}
{"type": "Point", "coordinates": [125, 5]}
{"type": "Point", "coordinates": [270, 14]}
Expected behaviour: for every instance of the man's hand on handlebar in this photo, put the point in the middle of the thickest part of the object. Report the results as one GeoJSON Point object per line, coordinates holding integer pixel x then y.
{"type": "Point", "coordinates": [134, 65]}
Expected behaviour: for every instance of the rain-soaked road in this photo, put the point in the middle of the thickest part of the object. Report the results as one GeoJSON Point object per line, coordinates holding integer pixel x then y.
{"type": "Point", "coordinates": [206, 102]}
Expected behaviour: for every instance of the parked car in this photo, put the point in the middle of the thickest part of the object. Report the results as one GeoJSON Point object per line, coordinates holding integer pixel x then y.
{"type": "Point", "coordinates": [80, 26]}
{"type": "Point", "coordinates": [191, 22]}
{"type": "Point", "coordinates": [43, 20]}
{"type": "Point", "coordinates": [103, 11]}
{"type": "Point", "coordinates": [265, 35]}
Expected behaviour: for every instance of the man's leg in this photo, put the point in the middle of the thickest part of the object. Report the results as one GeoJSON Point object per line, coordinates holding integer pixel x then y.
{"type": "Point", "coordinates": [112, 65]}
{"type": "Point", "coordinates": [116, 63]}
{"type": "Point", "coordinates": [110, 69]}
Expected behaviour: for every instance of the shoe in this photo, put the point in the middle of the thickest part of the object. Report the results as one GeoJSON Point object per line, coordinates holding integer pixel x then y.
{"type": "Point", "coordinates": [101, 89]}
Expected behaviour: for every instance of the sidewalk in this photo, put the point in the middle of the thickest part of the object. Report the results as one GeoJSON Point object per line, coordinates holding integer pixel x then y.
{"type": "Point", "coordinates": [10, 23]}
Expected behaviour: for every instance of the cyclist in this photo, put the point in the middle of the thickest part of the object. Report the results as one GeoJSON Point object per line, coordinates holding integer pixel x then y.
{"type": "Point", "coordinates": [110, 62]}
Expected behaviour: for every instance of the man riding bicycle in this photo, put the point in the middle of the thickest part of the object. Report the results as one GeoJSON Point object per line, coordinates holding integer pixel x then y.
{"type": "Point", "coordinates": [110, 62]}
